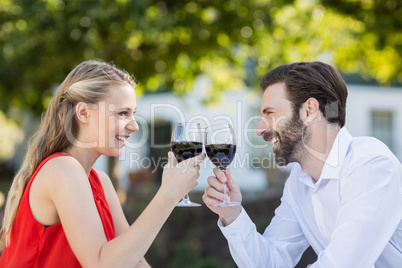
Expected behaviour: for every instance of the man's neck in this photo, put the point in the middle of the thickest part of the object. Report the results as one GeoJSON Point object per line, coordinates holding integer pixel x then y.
{"type": "Point", "coordinates": [322, 139]}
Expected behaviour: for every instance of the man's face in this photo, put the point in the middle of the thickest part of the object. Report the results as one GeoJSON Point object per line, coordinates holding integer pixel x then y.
{"type": "Point", "coordinates": [281, 127]}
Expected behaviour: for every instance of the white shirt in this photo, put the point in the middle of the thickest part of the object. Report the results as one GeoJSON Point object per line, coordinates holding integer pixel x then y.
{"type": "Point", "coordinates": [352, 216]}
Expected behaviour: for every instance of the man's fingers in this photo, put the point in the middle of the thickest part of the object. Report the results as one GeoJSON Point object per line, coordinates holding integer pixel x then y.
{"type": "Point", "coordinates": [212, 196]}
{"type": "Point", "coordinates": [215, 183]}
{"type": "Point", "coordinates": [230, 182]}
{"type": "Point", "coordinates": [214, 193]}
{"type": "Point", "coordinates": [220, 174]}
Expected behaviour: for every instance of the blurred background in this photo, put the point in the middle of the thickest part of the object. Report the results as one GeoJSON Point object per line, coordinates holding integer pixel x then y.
{"type": "Point", "coordinates": [197, 60]}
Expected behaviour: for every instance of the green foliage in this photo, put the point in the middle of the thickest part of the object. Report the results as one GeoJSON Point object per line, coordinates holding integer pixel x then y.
{"type": "Point", "coordinates": [377, 52]}
{"type": "Point", "coordinates": [11, 135]}
{"type": "Point", "coordinates": [184, 257]}
{"type": "Point", "coordinates": [167, 44]}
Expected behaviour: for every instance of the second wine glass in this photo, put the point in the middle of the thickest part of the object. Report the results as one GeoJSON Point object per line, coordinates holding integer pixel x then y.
{"type": "Point", "coordinates": [186, 142]}
{"type": "Point", "coordinates": [220, 146]}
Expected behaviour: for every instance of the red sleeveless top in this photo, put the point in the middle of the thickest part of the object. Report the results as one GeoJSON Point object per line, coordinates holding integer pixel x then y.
{"type": "Point", "coordinates": [32, 244]}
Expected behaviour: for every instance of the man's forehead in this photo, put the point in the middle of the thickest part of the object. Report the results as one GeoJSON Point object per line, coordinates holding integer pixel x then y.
{"type": "Point", "coordinates": [275, 88]}
{"type": "Point", "coordinates": [274, 97]}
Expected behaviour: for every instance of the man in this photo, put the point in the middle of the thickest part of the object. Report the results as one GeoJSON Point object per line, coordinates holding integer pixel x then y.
{"type": "Point", "coordinates": [343, 196]}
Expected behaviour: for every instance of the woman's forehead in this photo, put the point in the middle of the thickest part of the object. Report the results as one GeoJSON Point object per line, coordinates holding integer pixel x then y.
{"type": "Point", "coordinates": [122, 96]}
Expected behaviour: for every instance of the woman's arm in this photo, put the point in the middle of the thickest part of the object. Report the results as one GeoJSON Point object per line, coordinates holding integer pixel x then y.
{"type": "Point", "coordinates": [72, 196]}
{"type": "Point", "coordinates": [119, 219]}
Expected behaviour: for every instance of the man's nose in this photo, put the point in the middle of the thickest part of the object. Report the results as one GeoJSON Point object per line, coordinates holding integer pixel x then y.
{"type": "Point", "coordinates": [262, 126]}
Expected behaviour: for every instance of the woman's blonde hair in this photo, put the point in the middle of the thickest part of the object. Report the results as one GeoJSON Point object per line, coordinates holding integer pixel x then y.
{"type": "Point", "coordinates": [89, 82]}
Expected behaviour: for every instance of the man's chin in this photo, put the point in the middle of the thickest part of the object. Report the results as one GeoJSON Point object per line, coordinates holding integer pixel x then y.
{"type": "Point", "coordinates": [281, 161]}
{"type": "Point", "coordinates": [284, 161]}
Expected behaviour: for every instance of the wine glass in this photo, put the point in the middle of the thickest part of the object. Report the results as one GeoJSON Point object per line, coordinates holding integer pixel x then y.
{"type": "Point", "coordinates": [186, 142]}
{"type": "Point", "coordinates": [220, 146]}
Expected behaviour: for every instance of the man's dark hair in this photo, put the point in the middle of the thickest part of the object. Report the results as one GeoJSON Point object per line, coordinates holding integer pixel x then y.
{"type": "Point", "coordinates": [304, 80]}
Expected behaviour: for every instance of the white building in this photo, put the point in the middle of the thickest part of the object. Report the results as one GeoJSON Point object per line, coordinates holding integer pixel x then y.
{"type": "Point", "coordinates": [374, 111]}
{"type": "Point", "coordinates": [371, 111]}
{"type": "Point", "coordinates": [156, 114]}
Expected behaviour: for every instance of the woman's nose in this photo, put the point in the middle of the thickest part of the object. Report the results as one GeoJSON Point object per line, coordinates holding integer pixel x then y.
{"type": "Point", "coordinates": [132, 125]}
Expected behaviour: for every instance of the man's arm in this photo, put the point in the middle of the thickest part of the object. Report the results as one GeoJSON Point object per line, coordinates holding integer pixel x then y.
{"type": "Point", "coordinates": [283, 242]}
{"type": "Point", "coordinates": [369, 215]}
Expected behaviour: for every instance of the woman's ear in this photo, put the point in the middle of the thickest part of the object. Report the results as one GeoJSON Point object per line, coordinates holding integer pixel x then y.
{"type": "Point", "coordinates": [82, 112]}
{"type": "Point", "coordinates": [310, 111]}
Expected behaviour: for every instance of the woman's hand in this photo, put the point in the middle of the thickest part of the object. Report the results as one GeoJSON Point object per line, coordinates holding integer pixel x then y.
{"type": "Point", "coordinates": [143, 264]}
{"type": "Point", "coordinates": [214, 195]}
{"type": "Point", "coordinates": [180, 178]}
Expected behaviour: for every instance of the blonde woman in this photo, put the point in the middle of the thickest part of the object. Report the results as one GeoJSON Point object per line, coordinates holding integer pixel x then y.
{"type": "Point", "coordinates": [60, 211]}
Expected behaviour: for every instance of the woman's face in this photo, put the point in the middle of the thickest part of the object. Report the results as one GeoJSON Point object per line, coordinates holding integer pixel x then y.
{"type": "Point", "coordinates": [113, 120]}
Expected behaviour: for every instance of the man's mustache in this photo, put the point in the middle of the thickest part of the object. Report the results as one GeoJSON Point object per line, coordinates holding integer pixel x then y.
{"type": "Point", "coordinates": [268, 135]}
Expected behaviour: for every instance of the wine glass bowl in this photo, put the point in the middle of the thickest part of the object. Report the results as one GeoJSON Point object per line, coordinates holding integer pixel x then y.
{"type": "Point", "coordinates": [221, 155]}
{"type": "Point", "coordinates": [186, 142]}
{"type": "Point", "coordinates": [184, 150]}
{"type": "Point", "coordinates": [220, 146]}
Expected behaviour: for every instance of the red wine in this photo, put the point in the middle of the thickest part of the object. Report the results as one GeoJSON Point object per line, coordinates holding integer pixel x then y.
{"type": "Point", "coordinates": [186, 149]}
{"type": "Point", "coordinates": [221, 154]}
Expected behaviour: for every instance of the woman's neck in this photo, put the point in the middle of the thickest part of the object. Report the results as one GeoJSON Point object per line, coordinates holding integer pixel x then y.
{"type": "Point", "coordinates": [86, 157]}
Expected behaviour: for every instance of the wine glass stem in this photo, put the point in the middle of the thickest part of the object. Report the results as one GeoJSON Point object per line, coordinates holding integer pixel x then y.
{"type": "Point", "coordinates": [186, 198]}
{"type": "Point", "coordinates": [226, 197]}
{"type": "Point", "coordinates": [225, 193]}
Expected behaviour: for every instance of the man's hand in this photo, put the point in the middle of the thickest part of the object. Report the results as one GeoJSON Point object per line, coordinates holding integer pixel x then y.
{"type": "Point", "coordinates": [214, 195]}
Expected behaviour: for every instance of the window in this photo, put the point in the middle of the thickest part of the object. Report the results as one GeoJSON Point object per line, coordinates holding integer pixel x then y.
{"type": "Point", "coordinates": [382, 126]}
{"type": "Point", "coordinates": [160, 133]}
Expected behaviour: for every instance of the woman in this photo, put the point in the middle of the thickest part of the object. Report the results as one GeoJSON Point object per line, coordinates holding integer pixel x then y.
{"type": "Point", "coordinates": [60, 211]}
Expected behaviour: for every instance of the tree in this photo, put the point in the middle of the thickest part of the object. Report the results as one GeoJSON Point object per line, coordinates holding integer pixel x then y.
{"type": "Point", "coordinates": [378, 47]}
{"type": "Point", "coordinates": [167, 44]}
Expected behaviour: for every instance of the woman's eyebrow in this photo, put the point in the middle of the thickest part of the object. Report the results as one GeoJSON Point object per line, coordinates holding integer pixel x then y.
{"type": "Point", "coordinates": [125, 108]}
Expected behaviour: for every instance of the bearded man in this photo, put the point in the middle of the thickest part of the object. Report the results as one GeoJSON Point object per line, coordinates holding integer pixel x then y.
{"type": "Point", "coordinates": [343, 196]}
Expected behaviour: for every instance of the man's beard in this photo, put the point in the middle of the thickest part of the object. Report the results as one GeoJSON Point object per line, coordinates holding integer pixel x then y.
{"type": "Point", "coordinates": [292, 140]}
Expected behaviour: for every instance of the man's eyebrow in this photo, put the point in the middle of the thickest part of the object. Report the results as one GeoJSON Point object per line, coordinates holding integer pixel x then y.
{"type": "Point", "coordinates": [267, 109]}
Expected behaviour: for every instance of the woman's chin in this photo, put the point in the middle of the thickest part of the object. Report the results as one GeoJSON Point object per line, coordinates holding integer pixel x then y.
{"type": "Point", "coordinates": [118, 153]}
{"type": "Point", "coordinates": [113, 152]}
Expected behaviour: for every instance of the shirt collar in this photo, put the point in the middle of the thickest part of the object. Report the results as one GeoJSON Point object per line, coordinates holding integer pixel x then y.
{"type": "Point", "coordinates": [333, 163]}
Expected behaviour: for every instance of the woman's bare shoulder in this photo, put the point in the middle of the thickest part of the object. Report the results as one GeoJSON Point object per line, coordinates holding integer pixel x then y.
{"type": "Point", "coordinates": [102, 175]}
{"type": "Point", "coordinates": [57, 169]}
{"type": "Point", "coordinates": [59, 183]}
{"type": "Point", "coordinates": [107, 185]}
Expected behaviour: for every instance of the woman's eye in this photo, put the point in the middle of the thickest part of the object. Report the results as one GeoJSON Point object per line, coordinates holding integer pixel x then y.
{"type": "Point", "coordinates": [123, 113]}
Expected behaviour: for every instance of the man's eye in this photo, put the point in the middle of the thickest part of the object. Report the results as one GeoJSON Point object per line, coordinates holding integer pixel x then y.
{"type": "Point", "coordinates": [267, 114]}
{"type": "Point", "coordinates": [123, 113]}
